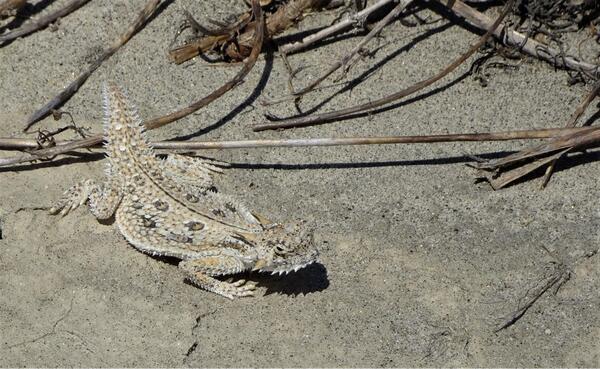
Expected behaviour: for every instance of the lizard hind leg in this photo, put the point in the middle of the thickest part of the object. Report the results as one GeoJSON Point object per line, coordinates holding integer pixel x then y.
{"type": "Point", "coordinates": [201, 272]}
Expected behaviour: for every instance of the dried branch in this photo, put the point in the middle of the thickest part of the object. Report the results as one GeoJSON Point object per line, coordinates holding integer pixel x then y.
{"type": "Point", "coordinates": [354, 19]}
{"type": "Point", "coordinates": [571, 123]}
{"type": "Point", "coordinates": [68, 146]}
{"type": "Point", "coordinates": [35, 25]}
{"type": "Point", "coordinates": [510, 37]}
{"type": "Point", "coordinates": [70, 90]}
{"type": "Point", "coordinates": [339, 114]}
{"type": "Point", "coordinates": [543, 154]}
{"type": "Point", "coordinates": [556, 147]}
{"type": "Point", "coordinates": [236, 42]}
{"type": "Point", "coordinates": [236, 80]}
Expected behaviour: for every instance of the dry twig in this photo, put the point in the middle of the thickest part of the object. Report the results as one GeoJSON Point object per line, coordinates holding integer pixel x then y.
{"type": "Point", "coordinates": [340, 114]}
{"type": "Point", "coordinates": [68, 91]}
{"type": "Point", "coordinates": [560, 276]}
{"type": "Point", "coordinates": [342, 62]}
{"type": "Point", "coordinates": [35, 25]}
{"type": "Point", "coordinates": [236, 80]}
{"type": "Point", "coordinates": [235, 40]}
{"type": "Point", "coordinates": [354, 19]}
{"type": "Point", "coordinates": [542, 154]}
{"type": "Point", "coordinates": [571, 123]}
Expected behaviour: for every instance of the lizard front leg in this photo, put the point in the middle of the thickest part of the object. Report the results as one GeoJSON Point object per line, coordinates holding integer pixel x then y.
{"type": "Point", "coordinates": [103, 200]}
{"type": "Point", "coordinates": [192, 171]}
{"type": "Point", "coordinates": [201, 271]}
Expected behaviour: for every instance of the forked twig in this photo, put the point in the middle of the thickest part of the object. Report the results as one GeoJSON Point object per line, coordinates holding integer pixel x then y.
{"type": "Point", "coordinates": [68, 91]}
{"type": "Point", "coordinates": [63, 147]}
{"type": "Point", "coordinates": [339, 114]}
{"type": "Point", "coordinates": [35, 25]}
{"type": "Point", "coordinates": [560, 276]}
{"type": "Point", "coordinates": [346, 23]}
{"type": "Point", "coordinates": [259, 35]}
{"type": "Point", "coordinates": [346, 58]}
{"type": "Point", "coordinates": [236, 41]}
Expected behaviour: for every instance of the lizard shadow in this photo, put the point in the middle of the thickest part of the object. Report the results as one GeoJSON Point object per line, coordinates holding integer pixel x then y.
{"type": "Point", "coordinates": [312, 278]}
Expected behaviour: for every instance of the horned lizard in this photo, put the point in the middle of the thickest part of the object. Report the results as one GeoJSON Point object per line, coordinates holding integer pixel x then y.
{"type": "Point", "coordinates": [168, 207]}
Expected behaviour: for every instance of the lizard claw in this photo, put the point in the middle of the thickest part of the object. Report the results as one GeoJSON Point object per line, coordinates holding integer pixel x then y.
{"type": "Point", "coordinates": [72, 198]}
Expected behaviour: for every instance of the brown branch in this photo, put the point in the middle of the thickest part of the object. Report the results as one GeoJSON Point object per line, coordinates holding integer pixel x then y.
{"type": "Point", "coordinates": [556, 147]}
{"type": "Point", "coordinates": [237, 43]}
{"type": "Point", "coordinates": [68, 146]}
{"type": "Point", "coordinates": [339, 114]}
{"type": "Point", "coordinates": [70, 90]}
{"type": "Point", "coordinates": [528, 45]}
{"type": "Point", "coordinates": [571, 123]}
{"type": "Point", "coordinates": [35, 25]}
{"type": "Point", "coordinates": [237, 79]}
{"type": "Point", "coordinates": [543, 154]}
{"type": "Point", "coordinates": [575, 139]}
{"type": "Point", "coordinates": [346, 23]}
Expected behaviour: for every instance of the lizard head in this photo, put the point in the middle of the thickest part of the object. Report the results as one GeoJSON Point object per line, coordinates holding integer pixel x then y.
{"type": "Point", "coordinates": [283, 249]}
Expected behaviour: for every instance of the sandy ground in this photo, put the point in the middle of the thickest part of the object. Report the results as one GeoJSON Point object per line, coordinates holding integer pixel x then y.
{"type": "Point", "coordinates": [420, 263]}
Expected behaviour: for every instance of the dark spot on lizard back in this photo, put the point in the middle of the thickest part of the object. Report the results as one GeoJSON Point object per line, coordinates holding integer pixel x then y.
{"type": "Point", "coordinates": [194, 226]}
{"type": "Point", "coordinates": [191, 198]}
{"type": "Point", "coordinates": [148, 222]}
{"type": "Point", "coordinates": [218, 212]}
{"type": "Point", "coordinates": [181, 238]}
{"type": "Point", "coordinates": [161, 205]}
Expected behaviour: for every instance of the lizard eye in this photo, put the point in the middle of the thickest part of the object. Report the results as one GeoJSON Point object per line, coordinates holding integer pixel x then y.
{"type": "Point", "coordinates": [279, 249]}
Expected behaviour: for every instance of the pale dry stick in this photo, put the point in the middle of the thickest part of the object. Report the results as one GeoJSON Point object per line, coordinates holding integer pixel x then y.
{"type": "Point", "coordinates": [346, 58]}
{"type": "Point", "coordinates": [68, 146]}
{"type": "Point", "coordinates": [346, 23]}
{"type": "Point", "coordinates": [528, 45]}
{"type": "Point", "coordinates": [70, 90]}
{"type": "Point", "coordinates": [34, 25]}
{"type": "Point", "coordinates": [342, 113]}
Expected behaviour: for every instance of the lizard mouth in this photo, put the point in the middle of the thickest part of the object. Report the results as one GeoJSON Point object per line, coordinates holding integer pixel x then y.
{"type": "Point", "coordinates": [285, 269]}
